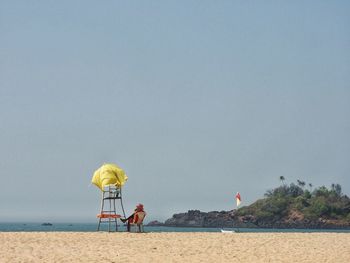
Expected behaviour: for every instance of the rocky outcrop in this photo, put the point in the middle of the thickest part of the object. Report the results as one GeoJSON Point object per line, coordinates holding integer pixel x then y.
{"type": "Point", "coordinates": [196, 218]}
{"type": "Point", "coordinates": [283, 207]}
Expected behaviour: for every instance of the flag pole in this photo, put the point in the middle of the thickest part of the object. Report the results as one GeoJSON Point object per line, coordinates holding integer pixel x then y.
{"type": "Point", "coordinates": [238, 202]}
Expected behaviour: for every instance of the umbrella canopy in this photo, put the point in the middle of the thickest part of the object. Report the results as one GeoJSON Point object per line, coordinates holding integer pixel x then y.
{"type": "Point", "coordinates": [109, 174]}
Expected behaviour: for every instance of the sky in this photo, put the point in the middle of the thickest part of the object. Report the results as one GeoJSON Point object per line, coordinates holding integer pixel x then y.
{"type": "Point", "coordinates": [195, 100]}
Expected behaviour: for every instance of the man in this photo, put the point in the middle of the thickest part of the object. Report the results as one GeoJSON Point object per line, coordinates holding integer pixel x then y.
{"type": "Point", "coordinates": [138, 214]}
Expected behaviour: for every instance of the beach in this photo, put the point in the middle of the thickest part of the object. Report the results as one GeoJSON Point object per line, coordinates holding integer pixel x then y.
{"type": "Point", "coordinates": [173, 247]}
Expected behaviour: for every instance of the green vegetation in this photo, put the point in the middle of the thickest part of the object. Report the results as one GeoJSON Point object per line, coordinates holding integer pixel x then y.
{"type": "Point", "coordinates": [296, 202]}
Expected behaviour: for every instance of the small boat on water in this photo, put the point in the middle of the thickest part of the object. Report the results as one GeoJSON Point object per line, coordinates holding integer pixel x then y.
{"type": "Point", "coordinates": [46, 224]}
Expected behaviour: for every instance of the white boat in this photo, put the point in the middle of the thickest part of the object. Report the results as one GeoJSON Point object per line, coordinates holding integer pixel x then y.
{"type": "Point", "coordinates": [227, 231]}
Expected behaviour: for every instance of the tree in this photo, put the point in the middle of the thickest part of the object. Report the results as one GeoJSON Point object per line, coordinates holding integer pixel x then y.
{"type": "Point", "coordinates": [322, 191]}
{"type": "Point", "coordinates": [282, 179]}
{"type": "Point", "coordinates": [301, 183]}
{"type": "Point", "coordinates": [336, 188]}
{"type": "Point", "coordinates": [295, 190]}
{"type": "Point", "coordinates": [310, 185]}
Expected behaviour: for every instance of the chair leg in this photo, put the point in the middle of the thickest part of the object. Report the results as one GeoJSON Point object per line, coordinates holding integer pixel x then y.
{"type": "Point", "coordinates": [99, 223]}
{"type": "Point", "coordinates": [102, 206]}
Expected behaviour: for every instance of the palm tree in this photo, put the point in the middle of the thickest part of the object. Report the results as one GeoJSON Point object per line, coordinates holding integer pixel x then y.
{"type": "Point", "coordinates": [337, 189]}
{"type": "Point", "coordinates": [310, 185]}
{"type": "Point", "coordinates": [282, 179]}
{"type": "Point", "coordinates": [301, 183]}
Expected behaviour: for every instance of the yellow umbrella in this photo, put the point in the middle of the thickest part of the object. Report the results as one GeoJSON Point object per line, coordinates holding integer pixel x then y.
{"type": "Point", "coordinates": [109, 174]}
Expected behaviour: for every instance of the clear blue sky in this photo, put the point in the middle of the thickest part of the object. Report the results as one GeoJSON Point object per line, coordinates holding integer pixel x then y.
{"type": "Point", "coordinates": [196, 100]}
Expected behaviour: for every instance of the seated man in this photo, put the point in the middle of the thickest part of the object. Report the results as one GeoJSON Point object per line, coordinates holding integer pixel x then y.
{"type": "Point", "coordinates": [136, 218]}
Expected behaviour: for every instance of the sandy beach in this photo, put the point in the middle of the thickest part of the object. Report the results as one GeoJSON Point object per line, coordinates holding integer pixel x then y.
{"type": "Point", "coordinates": [173, 247]}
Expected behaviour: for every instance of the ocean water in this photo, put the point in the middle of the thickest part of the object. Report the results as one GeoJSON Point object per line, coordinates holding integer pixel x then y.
{"type": "Point", "coordinates": [92, 227]}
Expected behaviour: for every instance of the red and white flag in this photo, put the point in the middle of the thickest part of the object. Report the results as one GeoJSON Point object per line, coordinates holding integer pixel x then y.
{"type": "Point", "coordinates": [238, 199]}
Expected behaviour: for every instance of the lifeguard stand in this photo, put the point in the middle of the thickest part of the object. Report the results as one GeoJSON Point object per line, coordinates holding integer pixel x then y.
{"type": "Point", "coordinates": [108, 214]}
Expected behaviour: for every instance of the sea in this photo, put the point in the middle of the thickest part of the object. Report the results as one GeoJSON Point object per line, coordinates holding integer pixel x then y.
{"type": "Point", "coordinates": [92, 227]}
